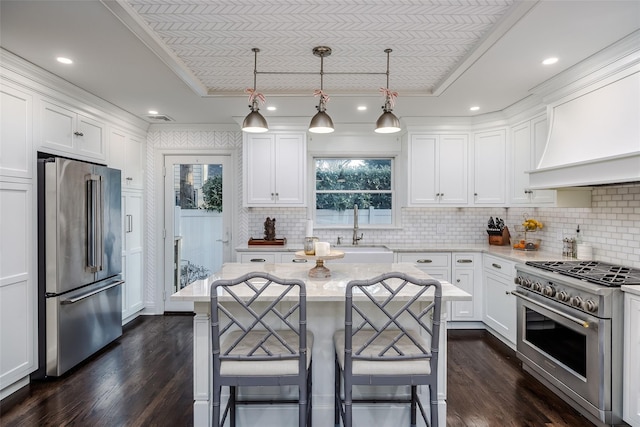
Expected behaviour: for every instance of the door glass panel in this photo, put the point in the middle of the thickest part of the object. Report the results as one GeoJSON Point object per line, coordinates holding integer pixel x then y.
{"type": "Point", "coordinates": [198, 222]}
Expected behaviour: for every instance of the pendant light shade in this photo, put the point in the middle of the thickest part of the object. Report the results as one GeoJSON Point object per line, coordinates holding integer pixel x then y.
{"type": "Point", "coordinates": [254, 122]}
{"type": "Point", "coordinates": [388, 122]}
{"type": "Point", "coordinates": [321, 122]}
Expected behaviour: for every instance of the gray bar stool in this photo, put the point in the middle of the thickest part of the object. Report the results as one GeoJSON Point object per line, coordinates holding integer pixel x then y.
{"type": "Point", "coordinates": [391, 336]}
{"type": "Point", "coordinates": [257, 343]}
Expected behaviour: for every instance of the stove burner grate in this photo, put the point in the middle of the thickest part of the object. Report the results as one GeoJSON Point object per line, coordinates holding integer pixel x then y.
{"type": "Point", "coordinates": [601, 273]}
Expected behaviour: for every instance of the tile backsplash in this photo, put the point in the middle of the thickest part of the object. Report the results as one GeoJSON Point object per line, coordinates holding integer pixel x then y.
{"type": "Point", "coordinates": [611, 225]}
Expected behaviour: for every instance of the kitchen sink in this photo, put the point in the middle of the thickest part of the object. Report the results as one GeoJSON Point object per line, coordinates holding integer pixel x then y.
{"type": "Point", "coordinates": [364, 254]}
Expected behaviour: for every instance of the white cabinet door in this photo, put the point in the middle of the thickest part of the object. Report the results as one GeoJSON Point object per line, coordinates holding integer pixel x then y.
{"type": "Point", "coordinates": [275, 170]}
{"type": "Point", "coordinates": [453, 166]}
{"type": "Point", "coordinates": [438, 169]}
{"type": "Point", "coordinates": [64, 130]}
{"type": "Point", "coordinates": [126, 152]}
{"type": "Point", "coordinates": [499, 303]}
{"type": "Point", "coordinates": [423, 172]}
{"type": "Point", "coordinates": [528, 141]}
{"type": "Point", "coordinates": [133, 254]}
{"type": "Point", "coordinates": [490, 167]}
{"type": "Point", "coordinates": [18, 283]}
{"type": "Point", "coordinates": [466, 274]}
{"type": "Point", "coordinates": [290, 169]}
{"type": "Point", "coordinates": [631, 387]}
{"type": "Point", "coordinates": [16, 132]}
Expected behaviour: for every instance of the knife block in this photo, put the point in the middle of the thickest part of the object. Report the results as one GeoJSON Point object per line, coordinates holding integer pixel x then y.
{"type": "Point", "coordinates": [499, 239]}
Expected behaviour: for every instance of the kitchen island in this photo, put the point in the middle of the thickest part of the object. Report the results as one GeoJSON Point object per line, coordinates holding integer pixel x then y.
{"type": "Point", "coordinates": [325, 314]}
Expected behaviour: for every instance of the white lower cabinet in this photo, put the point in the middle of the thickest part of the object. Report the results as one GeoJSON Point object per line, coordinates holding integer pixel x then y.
{"type": "Point", "coordinates": [466, 274]}
{"type": "Point", "coordinates": [435, 264]}
{"type": "Point", "coordinates": [264, 257]}
{"type": "Point", "coordinates": [132, 254]}
{"type": "Point", "coordinates": [631, 385]}
{"type": "Point", "coordinates": [499, 303]}
{"type": "Point", "coordinates": [18, 286]}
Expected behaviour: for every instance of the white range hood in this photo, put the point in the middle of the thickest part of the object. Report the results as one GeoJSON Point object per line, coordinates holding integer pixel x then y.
{"type": "Point", "coordinates": [594, 131]}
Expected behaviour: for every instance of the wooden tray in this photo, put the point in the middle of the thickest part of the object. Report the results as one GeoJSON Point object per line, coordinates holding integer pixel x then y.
{"type": "Point", "coordinates": [262, 242]}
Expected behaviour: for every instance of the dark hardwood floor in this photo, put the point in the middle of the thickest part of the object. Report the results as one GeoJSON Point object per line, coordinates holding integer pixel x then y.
{"type": "Point", "coordinates": [145, 379]}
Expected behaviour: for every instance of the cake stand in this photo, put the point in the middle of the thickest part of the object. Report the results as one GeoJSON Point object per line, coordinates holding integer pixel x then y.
{"type": "Point", "coordinates": [320, 271]}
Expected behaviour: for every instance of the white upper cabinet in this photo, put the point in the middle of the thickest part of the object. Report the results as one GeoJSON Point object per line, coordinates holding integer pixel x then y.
{"type": "Point", "coordinates": [490, 166]}
{"type": "Point", "coordinates": [67, 131]}
{"type": "Point", "coordinates": [126, 152]}
{"type": "Point", "coordinates": [528, 140]}
{"type": "Point", "coordinates": [16, 132]}
{"type": "Point", "coordinates": [275, 169]}
{"type": "Point", "coordinates": [438, 169]}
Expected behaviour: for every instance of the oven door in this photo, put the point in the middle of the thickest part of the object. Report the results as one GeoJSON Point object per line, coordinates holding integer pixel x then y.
{"type": "Point", "coordinates": [566, 347]}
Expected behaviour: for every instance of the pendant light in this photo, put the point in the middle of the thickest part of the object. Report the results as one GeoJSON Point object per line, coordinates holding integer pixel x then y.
{"type": "Point", "coordinates": [388, 122]}
{"type": "Point", "coordinates": [321, 122]}
{"type": "Point", "coordinates": [254, 122]}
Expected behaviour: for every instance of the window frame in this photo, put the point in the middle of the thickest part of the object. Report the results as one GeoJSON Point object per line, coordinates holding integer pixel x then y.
{"type": "Point", "coordinates": [395, 220]}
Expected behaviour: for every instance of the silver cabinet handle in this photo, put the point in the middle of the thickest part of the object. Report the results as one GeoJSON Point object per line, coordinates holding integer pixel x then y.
{"type": "Point", "coordinates": [258, 260]}
{"type": "Point", "coordinates": [464, 261]}
{"type": "Point", "coordinates": [129, 223]}
{"type": "Point", "coordinates": [494, 265]}
{"type": "Point", "coordinates": [424, 261]}
{"type": "Point", "coordinates": [298, 260]}
{"type": "Point", "coordinates": [76, 133]}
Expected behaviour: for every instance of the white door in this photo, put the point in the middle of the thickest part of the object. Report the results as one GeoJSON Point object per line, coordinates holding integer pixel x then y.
{"type": "Point", "coordinates": [198, 208]}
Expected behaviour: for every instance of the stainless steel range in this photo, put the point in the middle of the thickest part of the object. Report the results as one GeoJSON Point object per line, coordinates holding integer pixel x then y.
{"type": "Point", "coordinates": [570, 316]}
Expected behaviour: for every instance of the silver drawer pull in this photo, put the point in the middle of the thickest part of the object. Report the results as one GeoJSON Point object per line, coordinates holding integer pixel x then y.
{"type": "Point", "coordinates": [494, 265]}
{"type": "Point", "coordinates": [258, 260]}
{"type": "Point", "coordinates": [465, 261]}
{"type": "Point", "coordinates": [298, 260]}
{"type": "Point", "coordinates": [424, 261]}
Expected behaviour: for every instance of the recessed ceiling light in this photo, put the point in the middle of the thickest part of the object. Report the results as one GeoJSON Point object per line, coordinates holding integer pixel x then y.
{"type": "Point", "coordinates": [63, 60]}
{"type": "Point", "coordinates": [362, 107]}
{"type": "Point", "coordinates": [154, 112]}
{"type": "Point", "coordinates": [271, 108]}
{"type": "Point", "coordinates": [474, 108]}
{"type": "Point", "coordinates": [550, 61]}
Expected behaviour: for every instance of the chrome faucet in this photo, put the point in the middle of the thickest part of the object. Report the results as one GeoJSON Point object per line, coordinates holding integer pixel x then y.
{"type": "Point", "coordinates": [355, 226]}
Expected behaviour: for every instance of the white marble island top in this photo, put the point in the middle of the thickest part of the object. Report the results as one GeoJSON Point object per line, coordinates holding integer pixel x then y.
{"type": "Point", "coordinates": [328, 289]}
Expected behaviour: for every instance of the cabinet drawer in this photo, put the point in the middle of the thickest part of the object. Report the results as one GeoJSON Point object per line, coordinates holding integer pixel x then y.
{"type": "Point", "coordinates": [257, 257]}
{"type": "Point", "coordinates": [499, 266]}
{"type": "Point", "coordinates": [291, 257]}
{"type": "Point", "coordinates": [426, 259]}
{"type": "Point", "coordinates": [463, 260]}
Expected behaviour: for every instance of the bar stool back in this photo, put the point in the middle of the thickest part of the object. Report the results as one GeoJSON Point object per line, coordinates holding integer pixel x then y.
{"type": "Point", "coordinates": [260, 338]}
{"type": "Point", "coordinates": [391, 336]}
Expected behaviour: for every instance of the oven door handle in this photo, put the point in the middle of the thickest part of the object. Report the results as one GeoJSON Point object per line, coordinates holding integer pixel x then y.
{"type": "Point", "coordinates": [580, 322]}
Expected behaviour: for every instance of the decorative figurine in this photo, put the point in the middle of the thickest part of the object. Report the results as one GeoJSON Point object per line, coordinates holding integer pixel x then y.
{"type": "Point", "coordinates": [270, 229]}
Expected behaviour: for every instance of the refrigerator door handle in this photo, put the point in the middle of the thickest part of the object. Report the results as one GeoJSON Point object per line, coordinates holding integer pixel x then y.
{"type": "Point", "coordinates": [94, 223]}
{"type": "Point", "coordinates": [92, 293]}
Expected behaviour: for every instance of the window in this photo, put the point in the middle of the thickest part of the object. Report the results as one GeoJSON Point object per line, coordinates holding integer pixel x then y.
{"type": "Point", "coordinates": [342, 183]}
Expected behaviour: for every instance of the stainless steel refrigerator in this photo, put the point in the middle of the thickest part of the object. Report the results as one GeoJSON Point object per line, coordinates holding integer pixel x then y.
{"type": "Point", "coordinates": [79, 262]}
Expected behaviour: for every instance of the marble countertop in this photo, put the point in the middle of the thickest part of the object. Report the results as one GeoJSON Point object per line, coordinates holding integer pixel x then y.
{"type": "Point", "coordinates": [318, 290]}
{"type": "Point", "coordinates": [632, 289]}
{"type": "Point", "coordinates": [501, 251]}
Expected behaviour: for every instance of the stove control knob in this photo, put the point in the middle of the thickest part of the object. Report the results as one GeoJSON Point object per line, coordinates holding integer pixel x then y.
{"type": "Point", "coordinates": [526, 283]}
{"type": "Point", "coordinates": [576, 301]}
{"type": "Point", "coordinates": [563, 296]}
{"type": "Point", "coordinates": [549, 291]}
{"type": "Point", "coordinates": [537, 287]}
{"type": "Point", "coordinates": [518, 280]}
{"type": "Point", "coordinates": [591, 305]}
